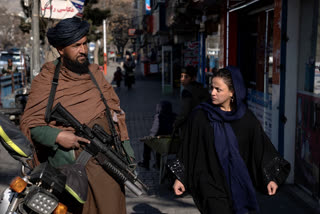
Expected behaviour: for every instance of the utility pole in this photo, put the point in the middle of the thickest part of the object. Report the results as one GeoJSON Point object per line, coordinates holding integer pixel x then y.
{"type": "Point", "coordinates": [105, 56]}
{"type": "Point", "coordinates": [35, 69]}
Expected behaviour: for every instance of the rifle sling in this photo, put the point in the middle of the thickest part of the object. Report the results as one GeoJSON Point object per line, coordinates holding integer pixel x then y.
{"type": "Point", "coordinates": [54, 85]}
{"type": "Point", "coordinates": [53, 92]}
{"type": "Point", "coordinates": [84, 155]}
{"type": "Point", "coordinates": [109, 117]}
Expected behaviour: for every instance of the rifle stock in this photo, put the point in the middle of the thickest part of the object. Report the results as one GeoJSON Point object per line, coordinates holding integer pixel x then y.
{"type": "Point", "coordinates": [110, 160]}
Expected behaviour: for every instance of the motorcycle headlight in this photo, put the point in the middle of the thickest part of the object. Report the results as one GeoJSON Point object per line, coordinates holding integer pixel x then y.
{"type": "Point", "coordinates": [41, 201]}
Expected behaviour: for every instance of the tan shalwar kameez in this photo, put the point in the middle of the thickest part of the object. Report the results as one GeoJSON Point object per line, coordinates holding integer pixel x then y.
{"type": "Point", "coordinates": [80, 96]}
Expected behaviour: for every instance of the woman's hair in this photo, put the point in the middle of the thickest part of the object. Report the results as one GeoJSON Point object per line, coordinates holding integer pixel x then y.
{"type": "Point", "coordinates": [226, 76]}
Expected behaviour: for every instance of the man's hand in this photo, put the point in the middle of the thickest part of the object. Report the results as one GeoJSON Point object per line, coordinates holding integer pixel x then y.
{"type": "Point", "coordinates": [178, 187]}
{"type": "Point", "coordinates": [69, 140]}
{"type": "Point", "coordinates": [272, 188]}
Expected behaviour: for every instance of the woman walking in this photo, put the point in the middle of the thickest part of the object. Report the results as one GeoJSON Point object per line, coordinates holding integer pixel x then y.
{"type": "Point", "coordinates": [225, 153]}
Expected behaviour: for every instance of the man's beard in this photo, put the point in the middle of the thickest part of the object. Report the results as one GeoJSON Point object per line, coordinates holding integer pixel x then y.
{"type": "Point", "coordinates": [75, 66]}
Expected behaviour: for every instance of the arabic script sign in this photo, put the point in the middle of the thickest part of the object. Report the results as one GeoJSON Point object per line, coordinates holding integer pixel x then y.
{"type": "Point", "coordinates": [57, 9]}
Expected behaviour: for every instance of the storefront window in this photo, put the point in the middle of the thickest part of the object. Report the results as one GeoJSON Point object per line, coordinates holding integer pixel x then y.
{"type": "Point", "coordinates": [213, 54]}
{"type": "Point", "coordinates": [307, 147]}
{"type": "Point", "coordinates": [316, 87]}
{"type": "Point", "coordinates": [256, 63]}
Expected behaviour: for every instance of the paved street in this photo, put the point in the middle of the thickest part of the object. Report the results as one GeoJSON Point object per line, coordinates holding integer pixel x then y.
{"type": "Point", "coordinates": [139, 103]}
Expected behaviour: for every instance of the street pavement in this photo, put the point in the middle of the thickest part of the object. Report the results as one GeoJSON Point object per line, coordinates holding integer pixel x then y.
{"type": "Point", "coordinates": [139, 103]}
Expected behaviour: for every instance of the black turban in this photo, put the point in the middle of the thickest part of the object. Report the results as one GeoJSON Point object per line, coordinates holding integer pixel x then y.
{"type": "Point", "coordinates": [67, 32]}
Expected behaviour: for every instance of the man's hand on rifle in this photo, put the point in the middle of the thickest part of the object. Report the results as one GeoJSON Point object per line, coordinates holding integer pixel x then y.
{"type": "Point", "coordinates": [69, 140]}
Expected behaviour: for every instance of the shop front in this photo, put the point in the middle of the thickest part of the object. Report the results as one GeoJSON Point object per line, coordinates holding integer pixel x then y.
{"type": "Point", "coordinates": [307, 142]}
{"type": "Point", "coordinates": [253, 44]}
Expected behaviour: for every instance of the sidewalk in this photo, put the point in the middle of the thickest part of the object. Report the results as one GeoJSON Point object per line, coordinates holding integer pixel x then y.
{"type": "Point", "coordinates": [139, 104]}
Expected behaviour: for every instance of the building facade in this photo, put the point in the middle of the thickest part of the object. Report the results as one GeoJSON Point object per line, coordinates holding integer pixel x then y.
{"type": "Point", "coordinates": [276, 45]}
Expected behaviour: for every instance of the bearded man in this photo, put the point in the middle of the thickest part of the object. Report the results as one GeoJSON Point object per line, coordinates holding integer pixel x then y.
{"type": "Point", "coordinates": [76, 90]}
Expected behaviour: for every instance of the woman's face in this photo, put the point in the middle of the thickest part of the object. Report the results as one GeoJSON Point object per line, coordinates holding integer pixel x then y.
{"type": "Point", "coordinates": [221, 94]}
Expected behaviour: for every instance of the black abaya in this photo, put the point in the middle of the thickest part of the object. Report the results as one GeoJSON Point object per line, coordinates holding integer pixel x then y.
{"type": "Point", "coordinates": [204, 176]}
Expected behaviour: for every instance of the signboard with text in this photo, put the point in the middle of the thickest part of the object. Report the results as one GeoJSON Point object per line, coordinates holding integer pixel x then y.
{"type": "Point", "coordinates": [57, 9]}
{"type": "Point", "coordinates": [261, 105]}
{"type": "Point", "coordinates": [191, 53]}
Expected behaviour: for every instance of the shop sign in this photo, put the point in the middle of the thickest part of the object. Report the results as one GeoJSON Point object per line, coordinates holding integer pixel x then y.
{"type": "Point", "coordinates": [57, 9]}
{"type": "Point", "coordinates": [191, 53]}
{"type": "Point", "coordinates": [148, 7]}
{"type": "Point", "coordinates": [131, 31]}
{"type": "Point", "coordinates": [261, 105]}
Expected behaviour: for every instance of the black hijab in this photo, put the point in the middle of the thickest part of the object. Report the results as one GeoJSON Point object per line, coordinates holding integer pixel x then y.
{"type": "Point", "coordinates": [226, 145]}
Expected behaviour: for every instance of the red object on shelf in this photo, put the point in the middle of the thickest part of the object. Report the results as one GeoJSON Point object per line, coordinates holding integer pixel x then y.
{"type": "Point", "coordinates": [146, 68]}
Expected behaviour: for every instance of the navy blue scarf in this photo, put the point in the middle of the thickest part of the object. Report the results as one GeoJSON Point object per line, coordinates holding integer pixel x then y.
{"type": "Point", "coordinates": [226, 145]}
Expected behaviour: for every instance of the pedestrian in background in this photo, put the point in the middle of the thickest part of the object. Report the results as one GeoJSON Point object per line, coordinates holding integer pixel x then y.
{"type": "Point", "coordinates": [117, 76]}
{"type": "Point", "coordinates": [225, 152]}
{"type": "Point", "coordinates": [193, 94]}
{"type": "Point", "coordinates": [129, 65]}
{"type": "Point", "coordinates": [162, 125]}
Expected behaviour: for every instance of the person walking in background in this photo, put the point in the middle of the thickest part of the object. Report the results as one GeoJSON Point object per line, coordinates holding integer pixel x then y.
{"type": "Point", "coordinates": [225, 153]}
{"type": "Point", "coordinates": [162, 125]}
{"type": "Point", "coordinates": [193, 94]}
{"type": "Point", "coordinates": [129, 66]}
{"type": "Point", "coordinates": [83, 90]}
{"type": "Point", "coordinates": [117, 77]}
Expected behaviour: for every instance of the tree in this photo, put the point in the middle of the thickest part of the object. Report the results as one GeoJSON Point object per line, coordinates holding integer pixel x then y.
{"type": "Point", "coordinates": [25, 23]}
{"type": "Point", "coordinates": [10, 33]}
{"type": "Point", "coordinates": [122, 12]}
{"type": "Point", "coordinates": [119, 14]}
{"type": "Point", "coordinates": [95, 16]}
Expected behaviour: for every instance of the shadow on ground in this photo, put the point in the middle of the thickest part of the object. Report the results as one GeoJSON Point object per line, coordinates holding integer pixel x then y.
{"type": "Point", "coordinates": [145, 208]}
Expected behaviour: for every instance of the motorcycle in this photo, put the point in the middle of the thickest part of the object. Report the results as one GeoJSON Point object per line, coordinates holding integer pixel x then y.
{"type": "Point", "coordinates": [37, 192]}
{"type": "Point", "coordinates": [38, 189]}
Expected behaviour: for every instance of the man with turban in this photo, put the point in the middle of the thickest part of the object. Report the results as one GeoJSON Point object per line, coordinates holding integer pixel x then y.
{"type": "Point", "coordinates": [77, 92]}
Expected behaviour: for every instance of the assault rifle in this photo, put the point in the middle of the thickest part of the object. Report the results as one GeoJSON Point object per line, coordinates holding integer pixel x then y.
{"type": "Point", "coordinates": [107, 150]}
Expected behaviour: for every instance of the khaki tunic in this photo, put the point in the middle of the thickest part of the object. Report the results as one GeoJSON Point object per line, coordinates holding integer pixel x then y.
{"type": "Point", "coordinates": [79, 95]}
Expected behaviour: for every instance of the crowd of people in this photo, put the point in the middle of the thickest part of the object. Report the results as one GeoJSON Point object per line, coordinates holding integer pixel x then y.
{"type": "Point", "coordinates": [224, 153]}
